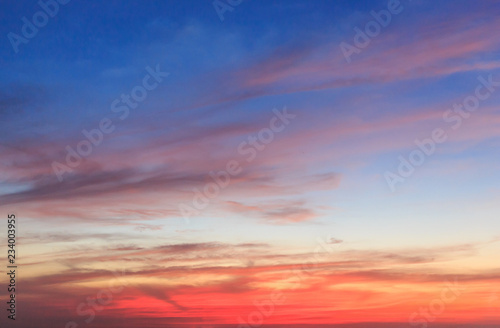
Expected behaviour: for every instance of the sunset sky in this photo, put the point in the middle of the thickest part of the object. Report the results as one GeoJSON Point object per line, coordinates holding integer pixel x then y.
{"type": "Point", "coordinates": [204, 164]}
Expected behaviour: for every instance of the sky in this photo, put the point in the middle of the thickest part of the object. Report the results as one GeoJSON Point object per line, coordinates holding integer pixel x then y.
{"type": "Point", "coordinates": [228, 163]}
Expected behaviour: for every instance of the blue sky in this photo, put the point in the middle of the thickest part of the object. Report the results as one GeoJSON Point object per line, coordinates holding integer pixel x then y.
{"type": "Point", "coordinates": [324, 175]}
